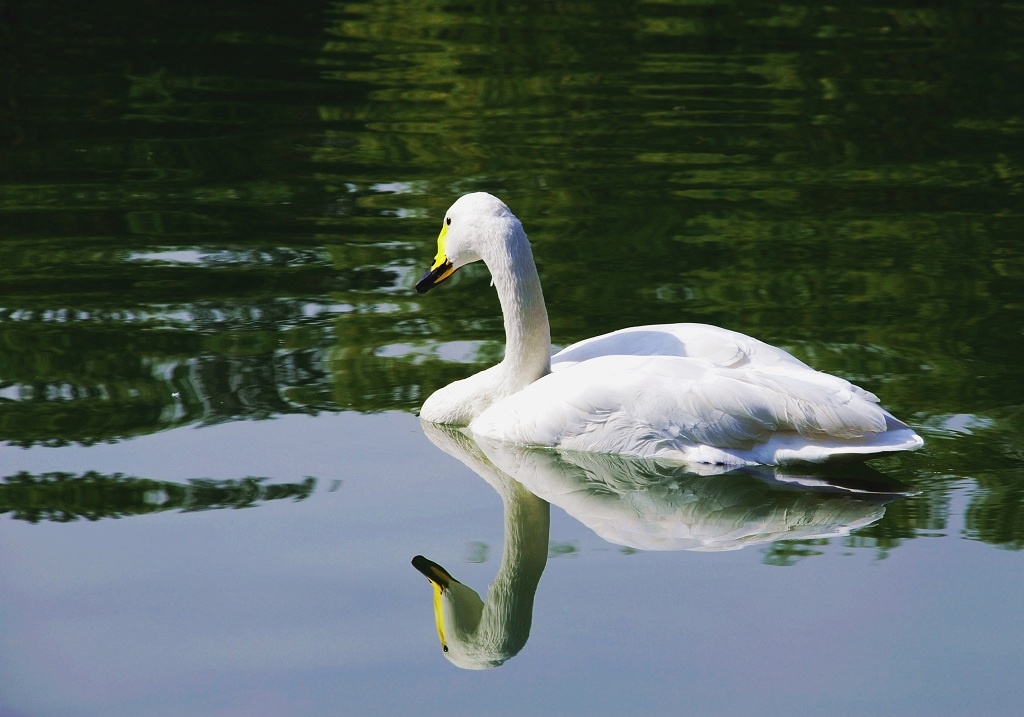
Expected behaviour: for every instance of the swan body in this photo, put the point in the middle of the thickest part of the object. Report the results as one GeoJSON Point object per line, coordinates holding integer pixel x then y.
{"type": "Point", "coordinates": [681, 392]}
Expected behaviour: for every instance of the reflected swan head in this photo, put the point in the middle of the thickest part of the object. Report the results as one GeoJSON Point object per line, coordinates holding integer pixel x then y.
{"type": "Point", "coordinates": [457, 612]}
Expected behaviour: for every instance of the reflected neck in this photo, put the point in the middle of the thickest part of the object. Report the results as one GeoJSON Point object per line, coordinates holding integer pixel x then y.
{"type": "Point", "coordinates": [508, 609]}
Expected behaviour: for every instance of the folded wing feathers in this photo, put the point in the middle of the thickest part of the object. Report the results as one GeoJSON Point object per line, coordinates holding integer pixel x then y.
{"type": "Point", "coordinates": [630, 404]}
{"type": "Point", "coordinates": [815, 406]}
{"type": "Point", "coordinates": [732, 408]}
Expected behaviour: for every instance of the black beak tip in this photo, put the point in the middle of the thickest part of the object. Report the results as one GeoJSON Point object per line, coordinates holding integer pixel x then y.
{"type": "Point", "coordinates": [424, 285]}
{"type": "Point", "coordinates": [433, 572]}
{"type": "Point", "coordinates": [433, 277]}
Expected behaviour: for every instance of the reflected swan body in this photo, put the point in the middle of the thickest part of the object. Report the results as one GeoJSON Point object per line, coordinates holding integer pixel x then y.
{"type": "Point", "coordinates": [650, 505]}
{"type": "Point", "coordinates": [681, 392]}
{"type": "Point", "coordinates": [638, 503]}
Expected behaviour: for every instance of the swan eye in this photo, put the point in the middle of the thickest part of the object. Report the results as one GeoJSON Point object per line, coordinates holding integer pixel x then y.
{"type": "Point", "coordinates": [448, 221]}
{"type": "Point", "coordinates": [444, 647]}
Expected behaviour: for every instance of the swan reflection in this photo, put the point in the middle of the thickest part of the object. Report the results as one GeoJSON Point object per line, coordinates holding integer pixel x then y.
{"type": "Point", "coordinates": [652, 505]}
{"type": "Point", "coordinates": [637, 503]}
{"type": "Point", "coordinates": [474, 633]}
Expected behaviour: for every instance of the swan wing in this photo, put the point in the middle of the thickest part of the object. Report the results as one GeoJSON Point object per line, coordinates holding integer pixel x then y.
{"type": "Point", "coordinates": [719, 347]}
{"type": "Point", "coordinates": [758, 408]}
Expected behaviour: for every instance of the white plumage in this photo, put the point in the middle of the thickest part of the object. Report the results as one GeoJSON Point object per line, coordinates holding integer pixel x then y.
{"type": "Point", "coordinates": [681, 392]}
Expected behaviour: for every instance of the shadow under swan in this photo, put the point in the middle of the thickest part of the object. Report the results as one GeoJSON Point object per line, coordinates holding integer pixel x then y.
{"type": "Point", "coordinates": [638, 503]}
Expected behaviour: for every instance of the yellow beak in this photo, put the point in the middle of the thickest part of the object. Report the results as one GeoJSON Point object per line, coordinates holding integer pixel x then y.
{"type": "Point", "coordinates": [441, 269]}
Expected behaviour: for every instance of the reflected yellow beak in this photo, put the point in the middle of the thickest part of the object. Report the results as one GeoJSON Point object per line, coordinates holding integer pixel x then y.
{"type": "Point", "coordinates": [440, 579]}
{"type": "Point", "coordinates": [441, 269]}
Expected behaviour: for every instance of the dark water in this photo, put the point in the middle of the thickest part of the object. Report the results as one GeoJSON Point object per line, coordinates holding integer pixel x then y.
{"type": "Point", "coordinates": [211, 219]}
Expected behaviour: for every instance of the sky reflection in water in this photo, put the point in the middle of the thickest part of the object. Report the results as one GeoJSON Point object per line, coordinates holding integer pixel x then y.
{"type": "Point", "coordinates": [304, 603]}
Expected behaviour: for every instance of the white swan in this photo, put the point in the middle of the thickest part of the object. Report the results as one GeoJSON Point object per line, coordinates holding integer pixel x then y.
{"type": "Point", "coordinates": [681, 392]}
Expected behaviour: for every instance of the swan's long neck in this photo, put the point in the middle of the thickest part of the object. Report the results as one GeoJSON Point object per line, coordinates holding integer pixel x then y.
{"type": "Point", "coordinates": [508, 256]}
{"type": "Point", "coordinates": [527, 333]}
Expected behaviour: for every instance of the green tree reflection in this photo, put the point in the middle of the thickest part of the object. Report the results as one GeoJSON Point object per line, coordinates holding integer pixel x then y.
{"type": "Point", "coordinates": [65, 497]}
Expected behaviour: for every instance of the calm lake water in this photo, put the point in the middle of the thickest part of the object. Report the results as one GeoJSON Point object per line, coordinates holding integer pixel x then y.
{"type": "Point", "coordinates": [212, 476]}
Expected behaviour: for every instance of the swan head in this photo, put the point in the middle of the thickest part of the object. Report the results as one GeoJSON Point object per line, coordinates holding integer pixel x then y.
{"type": "Point", "coordinates": [476, 227]}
